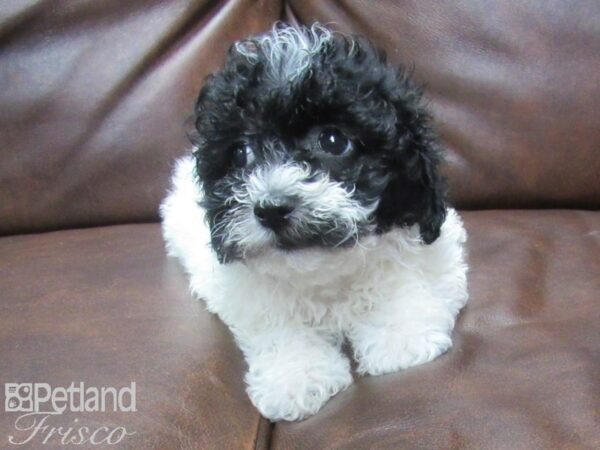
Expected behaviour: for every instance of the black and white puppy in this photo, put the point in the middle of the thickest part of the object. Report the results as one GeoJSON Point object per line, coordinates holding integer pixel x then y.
{"type": "Point", "coordinates": [311, 211]}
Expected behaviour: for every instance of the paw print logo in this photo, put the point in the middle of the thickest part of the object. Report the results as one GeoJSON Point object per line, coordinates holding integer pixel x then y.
{"type": "Point", "coordinates": [18, 397]}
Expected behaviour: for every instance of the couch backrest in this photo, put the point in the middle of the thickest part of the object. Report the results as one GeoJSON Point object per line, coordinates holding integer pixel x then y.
{"type": "Point", "coordinates": [94, 96]}
{"type": "Point", "coordinates": [514, 85]}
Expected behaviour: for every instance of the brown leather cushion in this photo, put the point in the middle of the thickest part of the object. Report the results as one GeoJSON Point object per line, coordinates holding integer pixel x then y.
{"type": "Point", "coordinates": [513, 86]}
{"type": "Point", "coordinates": [523, 373]}
{"type": "Point", "coordinates": [95, 95]}
{"type": "Point", "coordinates": [106, 306]}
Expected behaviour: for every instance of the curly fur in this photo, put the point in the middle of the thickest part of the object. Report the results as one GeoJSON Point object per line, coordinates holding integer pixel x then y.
{"type": "Point", "coordinates": [370, 252]}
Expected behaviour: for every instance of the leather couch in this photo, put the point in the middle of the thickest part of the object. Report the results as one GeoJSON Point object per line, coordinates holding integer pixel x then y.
{"type": "Point", "coordinates": [94, 100]}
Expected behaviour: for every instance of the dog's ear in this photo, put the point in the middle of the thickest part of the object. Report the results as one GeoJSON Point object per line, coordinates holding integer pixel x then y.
{"type": "Point", "coordinates": [416, 191]}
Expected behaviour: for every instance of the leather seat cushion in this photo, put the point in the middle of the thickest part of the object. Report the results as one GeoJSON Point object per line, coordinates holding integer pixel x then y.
{"type": "Point", "coordinates": [107, 307]}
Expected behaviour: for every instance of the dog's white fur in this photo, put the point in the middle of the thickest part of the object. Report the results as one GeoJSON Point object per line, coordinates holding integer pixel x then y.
{"type": "Point", "coordinates": [289, 50]}
{"type": "Point", "coordinates": [393, 297]}
{"type": "Point", "coordinates": [323, 200]}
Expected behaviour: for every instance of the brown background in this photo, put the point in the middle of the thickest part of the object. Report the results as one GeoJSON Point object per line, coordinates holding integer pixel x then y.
{"type": "Point", "coordinates": [96, 95]}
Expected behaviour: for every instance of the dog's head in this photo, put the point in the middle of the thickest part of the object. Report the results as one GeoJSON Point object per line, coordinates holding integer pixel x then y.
{"type": "Point", "coordinates": [308, 138]}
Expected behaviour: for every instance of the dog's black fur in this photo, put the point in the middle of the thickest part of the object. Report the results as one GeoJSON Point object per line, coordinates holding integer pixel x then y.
{"type": "Point", "coordinates": [349, 85]}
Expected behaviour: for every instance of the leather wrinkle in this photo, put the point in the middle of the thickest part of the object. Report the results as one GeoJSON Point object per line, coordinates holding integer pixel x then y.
{"type": "Point", "coordinates": [145, 65]}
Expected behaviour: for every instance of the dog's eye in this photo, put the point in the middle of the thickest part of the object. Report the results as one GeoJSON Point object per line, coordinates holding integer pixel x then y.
{"type": "Point", "coordinates": [332, 140]}
{"type": "Point", "coordinates": [242, 155]}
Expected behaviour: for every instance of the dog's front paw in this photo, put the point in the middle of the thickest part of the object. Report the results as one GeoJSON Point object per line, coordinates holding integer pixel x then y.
{"type": "Point", "coordinates": [296, 388]}
{"type": "Point", "coordinates": [388, 351]}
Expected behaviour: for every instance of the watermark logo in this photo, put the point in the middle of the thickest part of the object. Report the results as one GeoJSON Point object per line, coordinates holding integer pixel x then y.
{"type": "Point", "coordinates": [41, 406]}
{"type": "Point", "coordinates": [18, 397]}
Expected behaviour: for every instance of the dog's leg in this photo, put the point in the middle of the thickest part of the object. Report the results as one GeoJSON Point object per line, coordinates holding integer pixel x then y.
{"type": "Point", "coordinates": [413, 324]}
{"type": "Point", "coordinates": [412, 329]}
{"type": "Point", "coordinates": [293, 371]}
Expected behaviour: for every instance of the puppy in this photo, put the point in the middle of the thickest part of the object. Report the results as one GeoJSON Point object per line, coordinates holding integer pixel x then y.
{"type": "Point", "coordinates": [312, 212]}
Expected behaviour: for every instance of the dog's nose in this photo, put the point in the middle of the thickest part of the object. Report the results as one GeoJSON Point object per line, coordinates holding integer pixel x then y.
{"type": "Point", "coordinates": [274, 217]}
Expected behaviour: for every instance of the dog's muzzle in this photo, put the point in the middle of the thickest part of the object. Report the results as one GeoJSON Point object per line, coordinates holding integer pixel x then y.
{"type": "Point", "coordinates": [289, 206]}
